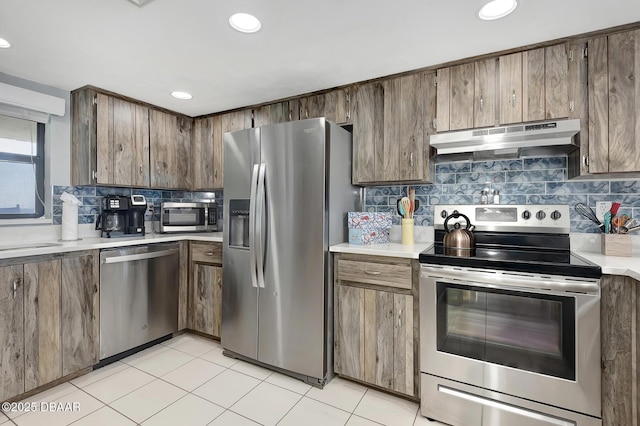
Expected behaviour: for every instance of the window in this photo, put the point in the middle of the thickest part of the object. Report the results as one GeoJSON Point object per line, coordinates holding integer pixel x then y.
{"type": "Point", "coordinates": [21, 168]}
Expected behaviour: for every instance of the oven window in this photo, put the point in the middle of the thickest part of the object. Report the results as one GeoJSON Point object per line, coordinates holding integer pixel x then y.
{"type": "Point", "coordinates": [527, 331]}
{"type": "Point", "coordinates": [184, 217]}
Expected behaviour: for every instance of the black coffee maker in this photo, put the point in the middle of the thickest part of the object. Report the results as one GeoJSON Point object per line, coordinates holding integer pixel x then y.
{"type": "Point", "coordinates": [121, 215]}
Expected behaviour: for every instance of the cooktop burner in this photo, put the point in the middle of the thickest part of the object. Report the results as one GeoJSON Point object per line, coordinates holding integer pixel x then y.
{"type": "Point", "coordinates": [517, 238]}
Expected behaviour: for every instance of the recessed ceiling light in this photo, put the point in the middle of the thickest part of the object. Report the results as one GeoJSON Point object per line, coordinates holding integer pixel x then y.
{"type": "Point", "coordinates": [181, 95]}
{"type": "Point", "coordinates": [245, 23]}
{"type": "Point", "coordinates": [497, 9]}
{"type": "Point", "coordinates": [4, 44]}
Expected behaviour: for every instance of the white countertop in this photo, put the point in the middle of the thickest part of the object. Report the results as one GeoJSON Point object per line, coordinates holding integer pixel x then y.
{"type": "Point", "coordinates": [92, 243]}
{"type": "Point", "coordinates": [614, 265]}
{"type": "Point", "coordinates": [388, 249]}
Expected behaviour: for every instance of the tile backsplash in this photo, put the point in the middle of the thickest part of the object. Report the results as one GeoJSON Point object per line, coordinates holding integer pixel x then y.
{"type": "Point", "coordinates": [91, 197]}
{"type": "Point", "coordinates": [520, 181]}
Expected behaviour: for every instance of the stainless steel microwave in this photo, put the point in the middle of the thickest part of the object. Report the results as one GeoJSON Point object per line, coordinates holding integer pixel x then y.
{"type": "Point", "coordinates": [188, 217]}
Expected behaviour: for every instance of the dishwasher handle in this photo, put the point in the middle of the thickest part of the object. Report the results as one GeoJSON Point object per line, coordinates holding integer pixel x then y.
{"type": "Point", "coordinates": [141, 256]}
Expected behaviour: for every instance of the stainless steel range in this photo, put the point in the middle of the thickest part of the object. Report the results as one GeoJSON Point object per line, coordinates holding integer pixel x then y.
{"type": "Point", "coordinates": [509, 333]}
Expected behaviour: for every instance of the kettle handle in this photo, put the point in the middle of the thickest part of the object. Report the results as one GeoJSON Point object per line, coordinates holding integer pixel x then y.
{"type": "Point", "coordinates": [456, 215]}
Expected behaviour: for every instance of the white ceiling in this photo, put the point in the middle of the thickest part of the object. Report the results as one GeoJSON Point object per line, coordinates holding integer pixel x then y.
{"type": "Point", "coordinates": [303, 46]}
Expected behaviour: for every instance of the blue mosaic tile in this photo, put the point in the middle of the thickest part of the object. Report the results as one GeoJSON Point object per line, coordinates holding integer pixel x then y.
{"type": "Point", "coordinates": [567, 188]}
{"type": "Point", "coordinates": [91, 201]}
{"type": "Point", "coordinates": [464, 188]}
{"type": "Point", "coordinates": [521, 188]}
{"type": "Point", "coordinates": [370, 209]}
{"type": "Point", "coordinates": [537, 176]}
{"type": "Point", "coordinates": [57, 210]}
{"type": "Point", "coordinates": [88, 210]}
{"type": "Point", "coordinates": [56, 220]}
{"type": "Point", "coordinates": [571, 200]}
{"type": "Point", "coordinates": [587, 227]}
{"type": "Point", "coordinates": [166, 194]}
{"type": "Point", "coordinates": [386, 209]}
{"type": "Point", "coordinates": [513, 199]}
{"type": "Point", "coordinates": [625, 187]}
{"type": "Point", "coordinates": [200, 195]}
{"type": "Point", "coordinates": [496, 166]}
{"type": "Point", "coordinates": [378, 200]}
{"type": "Point", "coordinates": [58, 190]}
{"type": "Point", "coordinates": [427, 189]}
{"type": "Point", "coordinates": [481, 177]}
{"type": "Point", "coordinates": [423, 220]}
{"type": "Point", "coordinates": [457, 167]}
{"type": "Point", "coordinates": [451, 199]}
{"type": "Point", "coordinates": [180, 195]}
{"type": "Point", "coordinates": [544, 163]}
{"type": "Point", "coordinates": [624, 200]}
{"type": "Point", "coordinates": [383, 190]}
{"type": "Point", "coordinates": [423, 204]}
{"type": "Point", "coordinates": [148, 193]}
{"type": "Point", "coordinates": [445, 178]}
{"type": "Point", "coordinates": [101, 191]}
{"type": "Point", "coordinates": [86, 219]}
{"type": "Point", "coordinates": [56, 201]}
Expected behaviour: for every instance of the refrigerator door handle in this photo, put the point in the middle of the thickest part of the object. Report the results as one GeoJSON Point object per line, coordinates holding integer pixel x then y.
{"type": "Point", "coordinates": [252, 226]}
{"type": "Point", "coordinates": [261, 223]}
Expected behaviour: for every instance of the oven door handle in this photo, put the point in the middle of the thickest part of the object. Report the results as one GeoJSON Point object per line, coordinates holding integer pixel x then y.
{"type": "Point", "coordinates": [504, 280]}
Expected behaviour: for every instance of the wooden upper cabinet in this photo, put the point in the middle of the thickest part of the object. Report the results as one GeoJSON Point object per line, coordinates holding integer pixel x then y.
{"type": "Point", "coordinates": [533, 85]}
{"type": "Point", "coordinates": [279, 112]}
{"type": "Point", "coordinates": [170, 142]}
{"type": "Point", "coordinates": [368, 131]}
{"type": "Point", "coordinates": [455, 93]}
{"type": "Point", "coordinates": [485, 93]}
{"type": "Point", "coordinates": [556, 81]}
{"type": "Point", "coordinates": [334, 106]}
{"type": "Point", "coordinates": [510, 88]}
{"type": "Point", "coordinates": [202, 146]}
{"type": "Point", "coordinates": [110, 140]}
{"type": "Point", "coordinates": [614, 103]}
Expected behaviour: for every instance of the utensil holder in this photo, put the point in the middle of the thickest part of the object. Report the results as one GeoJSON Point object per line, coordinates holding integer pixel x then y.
{"type": "Point", "coordinates": [616, 245]}
{"type": "Point", "coordinates": [407, 231]}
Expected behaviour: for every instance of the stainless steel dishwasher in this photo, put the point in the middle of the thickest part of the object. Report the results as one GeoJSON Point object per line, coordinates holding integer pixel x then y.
{"type": "Point", "coordinates": [138, 296]}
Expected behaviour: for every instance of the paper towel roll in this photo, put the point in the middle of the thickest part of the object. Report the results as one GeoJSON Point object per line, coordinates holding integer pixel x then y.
{"type": "Point", "coordinates": [69, 217]}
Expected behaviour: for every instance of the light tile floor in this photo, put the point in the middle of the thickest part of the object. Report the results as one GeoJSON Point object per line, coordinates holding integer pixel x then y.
{"type": "Point", "coordinates": [187, 381]}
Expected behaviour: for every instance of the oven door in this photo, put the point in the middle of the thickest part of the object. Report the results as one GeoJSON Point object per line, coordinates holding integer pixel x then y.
{"type": "Point", "coordinates": [531, 336]}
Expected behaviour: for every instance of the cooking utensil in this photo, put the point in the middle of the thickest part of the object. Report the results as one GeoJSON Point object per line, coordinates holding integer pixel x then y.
{"type": "Point", "coordinates": [412, 198]}
{"type": "Point", "coordinates": [614, 209]}
{"type": "Point", "coordinates": [458, 241]}
{"type": "Point", "coordinates": [406, 206]}
{"type": "Point", "coordinates": [402, 213]}
{"type": "Point", "coordinates": [607, 222]}
{"type": "Point", "coordinates": [400, 209]}
{"type": "Point", "coordinates": [621, 220]}
{"type": "Point", "coordinates": [586, 212]}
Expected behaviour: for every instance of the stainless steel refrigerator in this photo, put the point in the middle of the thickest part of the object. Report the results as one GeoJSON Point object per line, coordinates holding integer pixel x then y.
{"type": "Point", "coordinates": [287, 189]}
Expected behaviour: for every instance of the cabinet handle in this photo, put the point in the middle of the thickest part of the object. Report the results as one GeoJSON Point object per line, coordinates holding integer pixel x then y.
{"type": "Point", "coordinates": [372, 272]}
{"type": "Point", "coordinates": [306, 113]}
{"type": "Point", "coordinates": [208, 253]}
{"type": "Point", "coordinates": [15, 287]}
{"type": "Point", "coordinates": [513, 99]}
{"type": "Point", "coordinates": [215, 173]}
{"type": "Point", "coordinates": [140, 168]}
{"type": "Point", "coordinates": [481, 102]}
{"type": "Point", "coordinates": [435, 124]}
{"type": "Point", "coordinates": [411, 159]}
{"type": "Point", "coordinates": [400, 318]}
{"type": "Point", "coordinates": [290, 115]}
{"type": "Point", "coordinates": [585, 162]}
{"type": "Point", "coordinates": [94, 175]}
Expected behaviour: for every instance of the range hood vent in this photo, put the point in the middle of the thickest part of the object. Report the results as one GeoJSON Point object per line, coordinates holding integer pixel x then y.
{"type": "Point", "coordinates": [551, 137]}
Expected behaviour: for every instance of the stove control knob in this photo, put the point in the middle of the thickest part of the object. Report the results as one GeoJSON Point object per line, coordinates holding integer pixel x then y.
{"type": "Point", "coordinates": [526, 215]}
{"type": "Point", "coordinates": [555, 215]}
{"type": "Point", "coordinates": [443, 214]}
{"type": "Point", "coordinates": [540, 215]}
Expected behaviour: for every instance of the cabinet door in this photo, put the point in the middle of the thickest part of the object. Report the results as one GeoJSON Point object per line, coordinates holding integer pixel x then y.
{"type": "Point", "coordinates": [104, 139]}
{"type": "Point", "coordinates": [349, 350]}
{"type": "Point", "coordinates": [43, 340]}
{"type": "Point", "coordinates": [443, 99]}
{"type": "Point", "coordinates": [485, 94]}
{"type": "Point", "coordinates": [368, 131]}
{"type": "Point", "coordinates": [404, 136]}
{"type": "Point", "coordinates": [378, 338]}
{"type": "Point", "coordinates": [403, 361]}
{"type": "Point", "coordinates": [510, 88]}
{"type": "Point", "coordinates": [11, 332]}
{"type": "Point", "coordinates": [331, 105]}
{"type": "Point", "coordinates": [556, 81]}
{"type": "Point", "coordinates": [170, 142]}
{"type": "Point", "coordinates": [79, 312]}
{"type": "Point", "coordinates": [83, 137]}
{"type": "Point", "coordinates": [229, 122]}
{"type": "Point", "coordinates": [533, 85]}
{"type": "Point", "coordinates": [207, 298]}
{"type": "Point", "coordinates": [204, 158]}
{"type": "Point", "coordinates": [598, 105]}
{"type": "Point", "coordinates": [462, 94]}
{"type": "Point", "coordinates": [624, 101]}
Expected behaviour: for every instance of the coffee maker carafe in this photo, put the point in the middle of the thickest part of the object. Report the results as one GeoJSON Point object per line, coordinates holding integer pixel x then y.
{"type": "Point", "coordinates": [121, 215]}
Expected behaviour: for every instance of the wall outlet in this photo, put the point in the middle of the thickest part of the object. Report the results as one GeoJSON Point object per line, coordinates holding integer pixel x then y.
{"type": "Point", "coordinates": [601, 208]}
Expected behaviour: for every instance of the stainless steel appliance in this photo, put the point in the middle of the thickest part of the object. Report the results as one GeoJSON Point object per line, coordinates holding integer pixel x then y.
{"type": "Point", "coordinates": [287, 191]}
{"type": "Point", "coordinates": [511, 334]}
{"type": "Point", "coordinates": [122, 215]}
{"type": "Point", "coordinates": [178, 216]}
{"type": "Point", "coordinates": [138, 296]}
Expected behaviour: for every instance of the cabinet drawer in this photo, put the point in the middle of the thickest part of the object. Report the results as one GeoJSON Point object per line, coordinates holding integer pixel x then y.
{"type": "Point", "coordinates": [375, 273]}
{"type": "Point", "coordinates": [206, 252]}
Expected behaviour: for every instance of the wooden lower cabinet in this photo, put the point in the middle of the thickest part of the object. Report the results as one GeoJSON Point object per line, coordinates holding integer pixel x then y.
{"type": "Point", "coordinates": [48, 319]}
{"type": "Point", "coordinates": [374, 326]}
{"type": "Point", "coordinates": [205, 287]}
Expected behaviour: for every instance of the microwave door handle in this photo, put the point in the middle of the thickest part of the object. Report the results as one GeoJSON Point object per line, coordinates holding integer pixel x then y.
{"type": "Point", "coordinates": [261, 223]}
{"type": "Point", "coordinates": [252, 226]}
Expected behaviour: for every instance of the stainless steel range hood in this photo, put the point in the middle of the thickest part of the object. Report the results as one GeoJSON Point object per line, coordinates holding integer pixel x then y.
{"type": "Point", "coordinates": [550, 137]}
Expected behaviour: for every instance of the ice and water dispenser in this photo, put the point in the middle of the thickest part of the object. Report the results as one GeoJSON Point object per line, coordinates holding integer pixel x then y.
{"type": "Point", "coordinates": [239, 223]}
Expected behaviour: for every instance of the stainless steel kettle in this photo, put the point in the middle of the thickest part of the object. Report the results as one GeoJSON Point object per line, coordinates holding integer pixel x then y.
{"type": "Point", "coordinates": [459, 241]}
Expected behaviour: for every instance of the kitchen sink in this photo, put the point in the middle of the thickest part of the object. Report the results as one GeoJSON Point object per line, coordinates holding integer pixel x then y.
{"type": "Point", "coordinates": [28, 245]}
